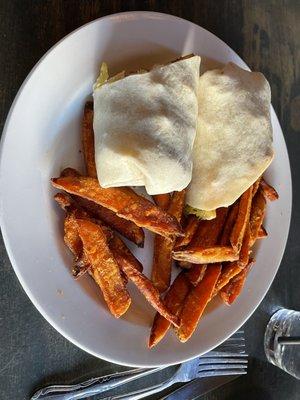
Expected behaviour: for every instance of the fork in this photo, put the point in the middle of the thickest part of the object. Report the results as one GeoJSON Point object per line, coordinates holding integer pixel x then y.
{"type": "Point", "coordinates": [95, 386]}
{"type": "Point", "coordinates": [229, 359]}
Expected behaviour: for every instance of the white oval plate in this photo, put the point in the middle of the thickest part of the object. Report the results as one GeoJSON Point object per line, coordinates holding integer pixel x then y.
{"type": "Point", "coordinates": [41, 136]}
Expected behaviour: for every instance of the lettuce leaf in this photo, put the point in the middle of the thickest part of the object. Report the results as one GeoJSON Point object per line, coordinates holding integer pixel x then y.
{"type": "Point", "coordinates": [201, 214]}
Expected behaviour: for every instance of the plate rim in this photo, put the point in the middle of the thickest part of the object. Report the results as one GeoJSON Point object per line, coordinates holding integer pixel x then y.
{"type": "Point", "coordinates": [8, 248]}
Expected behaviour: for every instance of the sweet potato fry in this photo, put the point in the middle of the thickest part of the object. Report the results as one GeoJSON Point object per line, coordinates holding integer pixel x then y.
{"type": "Point", "coordinates": [184, 264]}
{"type": "Point", "coordinates": [71, 236]}
{"type": "Point", "coordinates": [207, 234]}
{"type": "Point", "coordinates": [196, 273]}
{"type": "Point", "coordinates": [72, 240]}
{"type": "Point", "coordinates": [196, 301]}
{"type": "Point", "coordinates": [162, 257]}
{"type": "Point", "coordinates": [124, 201]}
{"type": "Point", "coordinates": [255, 186]}
{"type": "Point", "coordinates": [121, 252]}
{"type": "Point", "coordinates": [189, 231]}
{"type": "Point", "coordinates": [203, 247]}
{"type": "Point", "coordinates": [238, 231]}
{"type": "Point", "coordinates": [162, 200]}
{"type": "Point", "coordinates": [245, 249]}
{"type": "Point", "coordinates": [146, 287]}
{"type": "Point", "coordinates": [233, 289]}
{"type": "Point", "coordinates": [70, 205]}
{"type": "Point", "coordinates": [207, 255]}
{"type": "Point", "coordinates": [268, 190]}
{"type": "Point", "coordinates": [229, 270]}
{"type": "Point", "coordinates": [257, 214]}
{"type": "Point", "coordinates": [173, 301]}
{"type": "Point", "coordinates": [176, 205]}
{"type": "Point", "coordinates": [126, 228]}
{"type": "Point", "coordinates": [87, 138]}
{"type": "Point", "coordinates": [229, 224]}
{"type": "Point", "coordinates": [162, 263]}
{"type": "Point", "coordinates": [104, 268]}
{"type": "Point", "coordinates": [262, 233]}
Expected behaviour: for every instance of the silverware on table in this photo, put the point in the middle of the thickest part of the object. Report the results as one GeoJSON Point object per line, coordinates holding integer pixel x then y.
{"type": "Point", "coordinates": [198, 387]}
{"type": "Point", "coordinates": [92, 386]}
{"type": "Point", "coordinates": [208, 366]}
{"type": "Point", "coordinates": [229, 359]}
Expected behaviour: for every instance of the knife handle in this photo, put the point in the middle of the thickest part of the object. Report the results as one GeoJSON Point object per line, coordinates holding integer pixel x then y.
{"type": "Point", "coordinates": [91, 387]}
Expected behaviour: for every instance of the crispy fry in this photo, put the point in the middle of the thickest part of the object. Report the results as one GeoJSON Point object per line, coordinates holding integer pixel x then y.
{"type": "Point", "coordinates": [229, 270]}
{"type": "Point", "coordinates": [87, 138]}
{"type": "Point", "coordinates": [162, 200]}
{"type": "Point", "coordinates": [189, 231]}
{"type": "Point", "coordinates": [126, 228]}
{"type": "Point", "coordinates": [104, 268]}
{"type": "Point", "coordinates": [173, 301]}
{"type": "Point", "coordinates": [176, 205]}
{"type": "Point", "coordinates": [146, 287]}
{"type": "Point", "coordinates": [124, 201]}
{"type": "Point", "coordinates": [208, 231]}
{"type": "Point", "coordinates": [162, 263]}
{"type": "Point", "coordinates": [257, 215]}
{"type": "Point", "coordinates": [232, 269]}
{"type": "Point", "coordinates": [262, 233]}
{"type": "Point", "coordinates": [203, 248]}
{"type": "Point", "coordinates": [71, 236]}
{"type": "Point", "coordinates": [255, 186]}
{"type": "Point", "coordinates": [72, 239]}
{"type": "Point", "coordinates": [196, 273]}
{"type": "Point", "coordinates": [268, 191]}
{"type": "Point", "coordinates": [162, 252]}
{"type": "Point", "coordinates": [207, 255]}
{"type": "Point", "coordinates": [238, 231]}
{"type": "Point", "coordinates": [70, 205]}
{"type": "Point", "coordinates": [162, 257]}
{"type": "Point", "coordinates": [233, 289]}
{"type": "Point", "coordinates": [230, 221]}
{"type": "Point", "coordinates": [245, 249]}
{"type": "Point", "coordinates": [207, 234]}
{"type": "Point", "coordinates": [196, 301]}
{"type": "Point", "coordinates": [121, 252]}
{"type": "Point", "coordinates": [184, 264]}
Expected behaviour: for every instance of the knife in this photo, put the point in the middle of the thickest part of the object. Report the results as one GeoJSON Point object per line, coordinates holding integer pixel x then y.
{"type": "Point", "coordinates": [198, 387]}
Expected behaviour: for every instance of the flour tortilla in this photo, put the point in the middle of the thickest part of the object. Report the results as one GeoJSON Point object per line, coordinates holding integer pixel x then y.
{"type": "Point", "coordinates": [233, 146]}
{"type": "Point", "coordinates": [145, 126]}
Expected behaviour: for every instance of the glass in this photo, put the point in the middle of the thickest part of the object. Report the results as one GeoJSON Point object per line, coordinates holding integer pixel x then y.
{"type": "Point", "coordinates": [282, 341]}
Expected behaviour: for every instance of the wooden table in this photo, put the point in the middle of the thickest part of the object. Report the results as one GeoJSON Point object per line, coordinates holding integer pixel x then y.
{"type": "Point", "coordinates": [266, 34]}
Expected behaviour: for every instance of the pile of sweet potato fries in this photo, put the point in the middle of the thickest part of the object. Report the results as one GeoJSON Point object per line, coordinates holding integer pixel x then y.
{"type": "Point", "coordinates": [214, 256]}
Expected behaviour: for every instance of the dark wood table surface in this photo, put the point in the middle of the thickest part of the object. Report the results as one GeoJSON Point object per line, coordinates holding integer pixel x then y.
{"type": "Point", "coordinates": [266, 34]}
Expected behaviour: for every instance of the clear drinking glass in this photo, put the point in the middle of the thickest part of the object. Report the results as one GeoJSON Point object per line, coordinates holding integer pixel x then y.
{"type": "Point", "coordinates": [282, 341]}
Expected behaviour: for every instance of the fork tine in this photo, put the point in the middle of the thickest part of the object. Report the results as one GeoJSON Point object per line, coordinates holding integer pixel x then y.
{"type": "Point", "coordinates": [232, 348]}
{"type": "Point", "coordinates": [204, 374]}
{"type": "Point", "coordinates": [221, 360]}
{"type": "Point", "coordinates": [214, 367]}
{"type": "Point", "coordinates": [212, 354]}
